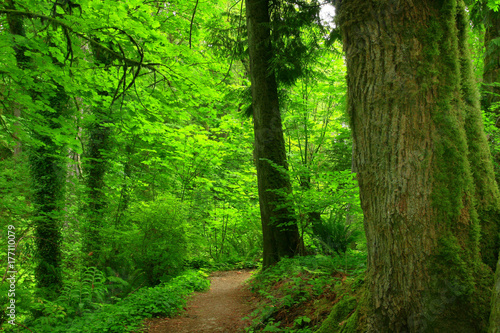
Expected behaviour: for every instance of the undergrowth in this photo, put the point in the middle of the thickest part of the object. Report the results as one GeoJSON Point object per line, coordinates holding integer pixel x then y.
{"type": "Point", "coordinates": [82, 307]}
{"type": "Point", "coordinates": [226, 264]}
{"type": "Point", "coordinates": [298, 294]}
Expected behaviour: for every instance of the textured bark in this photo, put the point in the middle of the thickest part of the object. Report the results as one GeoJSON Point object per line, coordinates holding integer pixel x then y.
{"type": "Point", "coordinates": [279, 227]}
{"type": "Point", "coordinates": [408, 96]}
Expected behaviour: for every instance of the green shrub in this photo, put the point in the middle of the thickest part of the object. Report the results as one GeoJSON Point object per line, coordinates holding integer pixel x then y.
{"type": "Point", "coordinates": [81, 295]}
{"type": "Point", "coordinates": [126, 315]}
{"type": "Point", "coordinates": [153, 242]}
{"type": "Point", "coordinates": [334, 234]}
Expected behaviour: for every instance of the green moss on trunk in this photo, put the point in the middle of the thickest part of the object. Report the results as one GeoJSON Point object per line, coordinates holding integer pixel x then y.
{"type": "Point", "coordinates": [342, 319]}
{"type": "Point", "coordinates": [421, 159]}
{"type": "Point", "coordinates": [48, 173]}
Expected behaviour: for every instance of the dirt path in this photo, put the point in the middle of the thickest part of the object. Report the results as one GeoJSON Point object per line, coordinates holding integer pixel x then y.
{"type": "Point", "coordinates": [218, 310]}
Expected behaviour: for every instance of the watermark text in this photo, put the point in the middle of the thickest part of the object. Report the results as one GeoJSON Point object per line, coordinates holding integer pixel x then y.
{"type": "Point", "coordinates": [11, 273]}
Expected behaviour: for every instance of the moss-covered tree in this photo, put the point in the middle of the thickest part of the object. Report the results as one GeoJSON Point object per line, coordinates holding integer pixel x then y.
{"type": "Point", "coordinates": [47, 168]}
{"type": "Point", "coordinates": [48, 173]}
{"type": "Point", "coordinates": [96, 165]}
{"type": "Point", "coordinates": [279, 227]}
{"type": "Point", "coordinates": [424, 169]}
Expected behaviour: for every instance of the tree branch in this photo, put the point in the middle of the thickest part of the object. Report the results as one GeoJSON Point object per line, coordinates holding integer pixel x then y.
{"type": "Point", "coordinates": [192, 20]}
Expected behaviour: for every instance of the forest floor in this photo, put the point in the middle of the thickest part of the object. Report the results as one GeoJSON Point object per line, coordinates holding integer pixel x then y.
{"type": "Point", "coordinates": [218, 310]}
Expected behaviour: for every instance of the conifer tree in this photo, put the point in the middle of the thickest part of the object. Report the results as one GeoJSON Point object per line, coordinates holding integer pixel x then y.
{"type": "Point", "coordinates": [279, 226]}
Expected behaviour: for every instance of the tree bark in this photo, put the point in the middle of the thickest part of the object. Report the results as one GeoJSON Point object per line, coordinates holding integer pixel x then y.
{"type": "Point", "coordinates": [279, 227]}
{"type": "Point", "coordinates": [409, 97]}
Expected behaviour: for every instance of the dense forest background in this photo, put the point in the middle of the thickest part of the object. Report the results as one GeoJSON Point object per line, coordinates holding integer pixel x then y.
{"type": "Point", "coordinates": [134, 157]}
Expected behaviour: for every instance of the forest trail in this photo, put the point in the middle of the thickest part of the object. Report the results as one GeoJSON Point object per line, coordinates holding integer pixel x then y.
{"type": "Point", "coordinates": [218, 310]}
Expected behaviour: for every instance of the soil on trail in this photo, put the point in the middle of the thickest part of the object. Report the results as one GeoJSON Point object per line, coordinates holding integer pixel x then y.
{"type": "Point", "coordinates": [218, 310]}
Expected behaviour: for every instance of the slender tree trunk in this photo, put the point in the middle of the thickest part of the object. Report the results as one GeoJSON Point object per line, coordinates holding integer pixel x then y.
{"type": "Point", "coordinates": [410, 95]}
{"type": "Point", "coordinates": [16, 27]}
{"type": "Point", "coordinates": [279, 227]}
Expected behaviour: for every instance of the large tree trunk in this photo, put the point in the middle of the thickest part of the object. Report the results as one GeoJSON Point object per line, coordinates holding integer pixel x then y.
{"type": "Point", "coordinates": [410, 95]}
{"type": "Point", "coordinates": [279, 227]}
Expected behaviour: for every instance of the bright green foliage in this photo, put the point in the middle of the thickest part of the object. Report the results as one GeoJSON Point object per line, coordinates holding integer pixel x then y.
{"type": "Point", "coordinates": [71, 311]}
{"type": "Point", "coordinates": [157, 166]}
{"type": "Point", "coordinates": [493, 4]}
{"type": "Point", "coordinates": [86, 292]}
{"type": "Point", "coordinates": [319, 152]}
{"type": "Point", "coordinates": [139, 113]}
{"type": "Point", "coordinates": [335, 235]}
{"type": "Point", "coordinates": [153, 240]}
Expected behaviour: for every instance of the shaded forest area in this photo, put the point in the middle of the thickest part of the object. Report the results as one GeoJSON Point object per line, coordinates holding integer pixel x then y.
{"type": "Point", "coordinates": [347, 149]}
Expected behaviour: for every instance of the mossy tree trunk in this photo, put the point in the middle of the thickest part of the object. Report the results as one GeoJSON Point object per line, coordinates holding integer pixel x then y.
{"type": "Point", "coordinates": [47, 172]}
{"type": "Point", "coordinates": [279, 226]}
{"type": "Point", "coordinates": [96, 164]}
{"type": "Point", "coordinates": [421, 156]}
